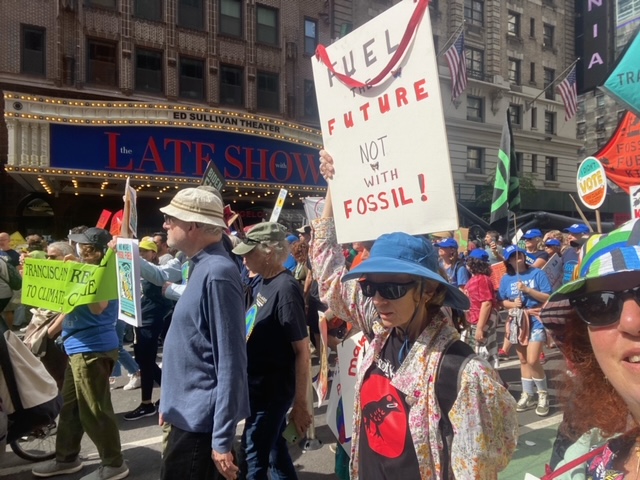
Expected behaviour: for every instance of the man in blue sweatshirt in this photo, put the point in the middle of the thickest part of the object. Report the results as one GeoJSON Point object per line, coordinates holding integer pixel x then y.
{"type": "Point", "coordinates": [204, 393]}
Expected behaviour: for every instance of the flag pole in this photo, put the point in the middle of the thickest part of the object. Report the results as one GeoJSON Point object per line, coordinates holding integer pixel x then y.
{"type": "Point", "coordinates": [452, 37]}
{"type": "Point", "coordinates": [555, 81]}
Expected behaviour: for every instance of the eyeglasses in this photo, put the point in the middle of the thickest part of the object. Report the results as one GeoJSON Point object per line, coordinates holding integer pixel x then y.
{"type": "Point", "coordinates": [53, 257]}
{"type": "Point", "coordinates": [387, 290]}
{"type": "Point", "coordinates": [168, 219]}
{"type": "Point", "coordinates": [600, 309]}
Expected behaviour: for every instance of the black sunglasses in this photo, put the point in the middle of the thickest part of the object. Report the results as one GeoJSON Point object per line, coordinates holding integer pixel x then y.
{"type": "Point", "coordinates": [601, 309]}
{"type": "Point", "coordinates": [168, 218]}
{"type": "Point", "coordinates": [388, 290]}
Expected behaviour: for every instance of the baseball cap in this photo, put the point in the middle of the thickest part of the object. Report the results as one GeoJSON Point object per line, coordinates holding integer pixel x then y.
{"type": "Point", "coordinates": [196, 205]}
{"type": "Point", "coordinates": [147, 243]}
{"type": "Point", "coordinates": [479, 254]}
{"type": "Point", "coordinates": [533, 233]}
{"type": "Point", "coordinates": [304, 229]}
{"type": "Point", "coordinates": [510, 250]}
{"type": "Point", "coordinates": [553, 242]}
{"type": "Point", "coordinates": [447, 243]}
{"type": "Point", "coordinates": [93, 236]}
{"type": "Point", "coordinates": [577, 229]}
{"type": "Point", "coordinates": [292, 239]}
{"type": "Point", "coordinates": [261, 233]}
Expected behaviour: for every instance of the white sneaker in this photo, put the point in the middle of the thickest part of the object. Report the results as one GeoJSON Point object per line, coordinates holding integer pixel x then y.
{"type": "Point", "coordinates": [542, 410]}
{"type": "Point", "coordinates": [526, 402]}
{"type": "Point", "coordinates": [134, 382]}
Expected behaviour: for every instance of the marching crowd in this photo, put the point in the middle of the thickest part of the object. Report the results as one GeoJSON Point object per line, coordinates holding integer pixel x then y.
{"type": "Point", "coordinates": [236, 315]}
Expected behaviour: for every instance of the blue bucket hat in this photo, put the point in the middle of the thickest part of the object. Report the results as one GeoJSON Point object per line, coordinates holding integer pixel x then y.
{"type": "Point", "coordinates": [479, 254]}
{"type": "Point", "coordinates": [447, 243]}
{"type": "Point", "coordinates": [510, 250]}
{"type": "Point", "coordinates": [533, 233]}
{"type": "Point", "coordinates": [398, 253]}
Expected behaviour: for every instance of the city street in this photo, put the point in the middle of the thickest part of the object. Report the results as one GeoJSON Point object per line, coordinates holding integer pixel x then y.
{"type": "Point", "coordinates": [141, 439]}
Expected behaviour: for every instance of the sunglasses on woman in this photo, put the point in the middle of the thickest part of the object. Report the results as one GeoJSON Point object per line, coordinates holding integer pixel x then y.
{"type": "Point", "coordinates": [388, 290]}
{"type": "Point", "coordinates": [601, 309]}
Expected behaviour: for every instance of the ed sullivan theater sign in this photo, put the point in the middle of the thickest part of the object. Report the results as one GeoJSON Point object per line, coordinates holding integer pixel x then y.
{"type": "Point", "coordinates": [157, 142]}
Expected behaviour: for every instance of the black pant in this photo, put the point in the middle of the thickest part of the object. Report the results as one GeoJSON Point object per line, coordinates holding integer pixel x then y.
{"type": "Point", "coordinates": [187, 456]}
{"type": "Point", "coordinates": [146, 350]}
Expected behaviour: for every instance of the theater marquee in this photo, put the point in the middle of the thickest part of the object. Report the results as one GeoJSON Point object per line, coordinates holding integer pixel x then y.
{"type": "Point", "coordinates": [79, 146]}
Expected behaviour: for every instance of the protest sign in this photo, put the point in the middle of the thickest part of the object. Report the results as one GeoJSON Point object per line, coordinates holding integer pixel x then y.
{"type": "Point", "coordinates": [591, 181]}
{"type": "Point", "coordinates": [213, 177]}
{"type": "Point", "coordinates": [103, 220]}
{"type": "Point", "coordinates": [555, 271]}
{"type": "Point", "coordinates": [129, 286]}
{"type": "Point", "coordinates": [116, 223]}
{"type": "Point", "coordinates": [387, 137]}
{"type": "Point", "coordinates": [321, 380]}
{"type": "Point", "coordinates": [350, 353]}
{"type": "Point", "coordinates": [335, 413]}
{"type": "Point", "coordinates": [279, 204]}
{"type": "Point", "coordinates": [130, 215]}
{"type": "Point", "coordinates": [634, 196]}
{"type": "Point", "coordinates": [313, 207]}
{"type": "Point", "coordinates": [62, 286]}
{"type": "Point", "coordinates": [498, 270]}
{"type": "Point", "coordinates": [461, 236]}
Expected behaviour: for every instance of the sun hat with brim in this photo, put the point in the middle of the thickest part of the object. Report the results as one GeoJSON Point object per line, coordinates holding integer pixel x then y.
{"type": "Point", "coordinates": [531, 234]}
{"type": "Point", "coordinates": [398, 253]}
{"type": "Point", "coordinates": [261, 233]}
{"type": "Point", "coordinates": [510, 250]}
{"type": "Point", "coordinates": [607, 262]}
{"type": "Point", "coordinates": [147, 243]}
{"type": "Point", "coordinates": [196, 205]}
{"type": "Point", "coordinates": [447, 243]}
{"type": "Point", "coordinates": [554, 316]}
{"type": "Point", "coordinates": [93, 236]}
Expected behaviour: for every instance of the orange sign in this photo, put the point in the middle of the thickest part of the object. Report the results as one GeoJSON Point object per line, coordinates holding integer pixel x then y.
{"type": "Point", "coordinates": [620, 157]}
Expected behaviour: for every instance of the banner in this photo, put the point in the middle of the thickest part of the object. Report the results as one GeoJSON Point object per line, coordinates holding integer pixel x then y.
{"type": "Point", "coordinates": [634, 197]}
{"type": "Point", "coordinates": [321, 380]}
{"type": "Point", "coordinates": [62, 286]}
{"type": "Point", "coordinates": [212, 177]}
{"type": "Point", "coordinates": [335, 413]}
{"type": "Point", "coordinates": [313, 207]}
{"type": "Point", "coordinates": [388, 176]}
{"type": "Point", "coordinates": [350, 353]}
{"type": "Point", "coordinates": [129, 284]}
{"type": "Point", "coordinates": [555, 271]}
{"type": "Point", "coordinates": [620, 157]}
{"type": "Point", "coordinates": [624, 81]}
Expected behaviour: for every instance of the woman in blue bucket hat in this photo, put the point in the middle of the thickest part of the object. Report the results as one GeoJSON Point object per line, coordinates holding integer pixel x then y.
{"type": "Point", "coordinates": [403, 304]}
{"type": "Point", "coordinates": [595, 322]}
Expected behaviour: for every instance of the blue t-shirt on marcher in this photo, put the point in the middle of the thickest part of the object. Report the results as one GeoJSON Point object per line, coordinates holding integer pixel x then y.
{"type": "Point", "coordinates": [84, 332]}
{"type": "Point", "coordinates": [533, 278]}
{"type": "Point", "coordinates": [457, 274]}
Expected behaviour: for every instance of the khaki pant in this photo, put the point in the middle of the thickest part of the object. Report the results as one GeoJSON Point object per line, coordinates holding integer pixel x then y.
{"type": "Point", "coordinates": [87, 408]}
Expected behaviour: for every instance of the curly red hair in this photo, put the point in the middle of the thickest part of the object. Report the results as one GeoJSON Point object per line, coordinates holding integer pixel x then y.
{"type": "Point", "coordinates": [589, 399]}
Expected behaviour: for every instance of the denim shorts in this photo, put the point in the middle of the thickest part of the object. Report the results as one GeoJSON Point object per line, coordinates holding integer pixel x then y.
{"type": "Point", "coordinates": [538, 335]}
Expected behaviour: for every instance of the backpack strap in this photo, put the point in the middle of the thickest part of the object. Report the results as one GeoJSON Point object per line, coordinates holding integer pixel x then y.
{"type": "Point", "coordinates": [453, 360]}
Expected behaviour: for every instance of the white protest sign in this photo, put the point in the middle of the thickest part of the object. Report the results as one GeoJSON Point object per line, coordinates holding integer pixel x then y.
{"type": "Point", "coordinates": [554, 270]}
{"type": "Point", "coordinates": [388, 140]}
{"type": "Point", "coordinates": [350, 353]}
{"type": "Point", "coordinates": [279, 204]}
{"type": "Point", "coordinates": [129, 284]}
{"type": "Point", "coordinates": [335, 413]}
{"type": "Point", "coordinates": [313, 207]}
{"type": "Point", "coordinates": [634, 196]}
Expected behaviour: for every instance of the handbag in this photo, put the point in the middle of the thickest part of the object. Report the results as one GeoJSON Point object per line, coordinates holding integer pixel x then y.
{"type": "Point", "coordinates": [30, 394]}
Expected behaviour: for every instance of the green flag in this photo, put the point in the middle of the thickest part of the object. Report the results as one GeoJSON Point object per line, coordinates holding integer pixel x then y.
{"type": "Point", "coordinates": [624, 82]}
{"type": "Point", "coordinates": [506, 189]}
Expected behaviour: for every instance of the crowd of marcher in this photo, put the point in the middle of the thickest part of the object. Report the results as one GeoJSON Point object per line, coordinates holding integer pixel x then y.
{"type": "Point", "coordinates": [236, 314]}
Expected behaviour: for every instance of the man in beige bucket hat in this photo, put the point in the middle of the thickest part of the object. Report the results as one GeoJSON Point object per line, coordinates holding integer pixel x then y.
{"type": "Point", "coordinates": [204, 372]}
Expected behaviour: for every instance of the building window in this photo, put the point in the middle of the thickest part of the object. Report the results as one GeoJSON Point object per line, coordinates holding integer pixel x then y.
{"type": "Point", "coordinates": [474, 12]}
{"type": "Point", "coordinates": [534, 117]}
{"type": "Point", "coordinates": [580, 107]}
{"type": "Point", "coordinates": [532, 27]}
{"type": "Point", "coordinates": [310, 36]}
{"type": "Point", "coordinates": [267, 25]}
{"type": "Point", "coordinates": [475, 159]}
{"type": "Point", "coordinates": [149, 71]}
{"type": "Point", "coordinates": [231, 90]}
{"type": "Point", "coordinates": [148, 9]}
{"type": "Point", "coordinates": [475, 62]}
{"type": "Point", "coordinates": [268, 92]}
{"type": "Point", "coordinates": [102, 66]}
{"type": "Point", "coordinates": [600, 100]}
{"type": "Point", "coordinates": [519, 160]}
{"type": "Point", "coordinates": [310, 101]}
{"type": "Point", "coordinates": [231, 18]}
{"type": "Point", "coordinates": [101, 3]}
{"type": "Point", "coordinates": [513, 25]}
{"type": "Point", "coordinates": [191, 78]}
{"type": "Point", "coordinates": [475, 108]}
{"type": "Point", "coordinates": [534, 163]}
{"type": "Point", "coordinates": [547, 35]}
{"type": "Point", "coordinates": [582, 129]}
{"type": "Point", "coordinates": [532, 73]}
{"type": "Point", "coordinates": [600, 124]}
{"type": "Point", "coordinates": [191, 14]}
{"type": "Point", "coordinates": [514, 71]}
{"type": "Point", "coordinates": [515, 114]}
{"type": "Point", "coordinates": [550, 123]}
{"type": "Point", "coordinates": [549, 78]}
{"type": "Point", "coordinates": [550, 168]}
{"type": "Point", "coordinates": [32, 60]}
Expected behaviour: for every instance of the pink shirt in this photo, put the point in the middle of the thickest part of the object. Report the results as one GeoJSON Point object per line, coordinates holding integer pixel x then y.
{"type": "Point", "coordinates": [479, 289]}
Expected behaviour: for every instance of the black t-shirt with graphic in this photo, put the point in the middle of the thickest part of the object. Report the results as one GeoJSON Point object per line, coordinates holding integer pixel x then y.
{"type": "Point", "coordinates": [386, 448]}
{"type": "Point", "coordinates": [278, 319]}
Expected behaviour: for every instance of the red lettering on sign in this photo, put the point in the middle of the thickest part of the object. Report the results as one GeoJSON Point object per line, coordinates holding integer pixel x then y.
{"type": "Point", "coordinates": [151, 148]}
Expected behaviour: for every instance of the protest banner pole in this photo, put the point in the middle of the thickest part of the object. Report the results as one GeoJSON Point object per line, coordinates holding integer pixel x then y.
{"type": "Point", "coordinates": [584, 219]}
{"type": "Point", "coordinates": [312, 442]}
{"type": "Point", "coordinates": [598, 222]}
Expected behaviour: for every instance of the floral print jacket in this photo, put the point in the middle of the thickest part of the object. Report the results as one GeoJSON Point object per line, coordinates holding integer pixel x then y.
{"type": "Point", "coordinates": [484, 414]}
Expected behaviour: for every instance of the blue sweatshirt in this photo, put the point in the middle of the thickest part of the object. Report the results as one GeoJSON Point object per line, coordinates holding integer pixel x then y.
{"type": "Point", "coordinates": [204, 367]}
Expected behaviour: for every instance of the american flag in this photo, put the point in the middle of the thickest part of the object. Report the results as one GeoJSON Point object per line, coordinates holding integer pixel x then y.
{"type": "Point", "coordinates": [569, 93]}
{"type": "Point", "coordinates": [457, 66]}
